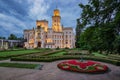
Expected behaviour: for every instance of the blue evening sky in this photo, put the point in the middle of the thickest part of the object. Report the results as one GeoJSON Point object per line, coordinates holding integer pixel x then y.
{"type": "Point", "coordinates": [17, 15]}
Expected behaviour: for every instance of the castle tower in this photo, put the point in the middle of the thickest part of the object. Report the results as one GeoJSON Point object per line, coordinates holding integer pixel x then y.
{"type": "Point", "coordinates": [43, 24]}
{"type": "Point", "coordinates": [56, 24]}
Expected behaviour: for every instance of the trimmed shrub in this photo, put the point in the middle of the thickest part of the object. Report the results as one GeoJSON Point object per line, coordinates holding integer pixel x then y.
{"type": "Point", "coordinates": [54, 58]}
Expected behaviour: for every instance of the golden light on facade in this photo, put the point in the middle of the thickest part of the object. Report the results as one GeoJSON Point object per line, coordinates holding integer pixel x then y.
{"type": "Point", "coordinates": [49, 40]}
{"type": "Point", "coordinates": [43, 24]}
{"type": "Point", "coordinates": [56, 21]}
{"type": "Point", "coordinates": [56, 12]}
{"type": "Point", "coordinates": [31, 41]}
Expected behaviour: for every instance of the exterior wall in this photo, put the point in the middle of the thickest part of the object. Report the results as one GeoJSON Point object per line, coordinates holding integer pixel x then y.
{"type": "Point", "coordinates": [3, 44]}
{"type": "Point", "coordinates": [58, 39]}
{"type": "Point", "coordinates": [69, 39]}
{"type": "Point", "coordinates": [29, 35]}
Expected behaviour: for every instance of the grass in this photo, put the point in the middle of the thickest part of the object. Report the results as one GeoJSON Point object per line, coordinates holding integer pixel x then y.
{"type": "Point", "coordinates": [19, 65]}
{"type": "Point", "coordinates": [58, 54]}
{"type": "Point", "coordinates": [114, 55]}
{"type": "Point", "coordinates": [19, 52]}
{"type": "Point", "coordinates": [98, 54]}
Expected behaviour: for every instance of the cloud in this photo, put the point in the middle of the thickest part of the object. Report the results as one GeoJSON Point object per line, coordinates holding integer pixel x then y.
{"type": "Point", "coordinates": [13, 21]}
{"type": "Point", "coordinates": [11, 24]}
{"type": "Point", "coordinates": [38, 9]}
{"type": "Point", "coordinates": [17, 15]}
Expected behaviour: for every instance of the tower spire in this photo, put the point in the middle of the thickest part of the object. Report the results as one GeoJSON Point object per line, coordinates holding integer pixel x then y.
{"type": "Point", "coordinates": [56, 6]}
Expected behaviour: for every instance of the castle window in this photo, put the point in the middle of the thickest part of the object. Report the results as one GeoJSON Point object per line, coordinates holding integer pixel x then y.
{"type": "Point", "coordinates": [70, 41]}
{"type": "Point", "coordinates": [66, 42]}
{"type": "Point", "coordinates": [38, 33]}
{"type": "Point", "coordinates": [66, 36]}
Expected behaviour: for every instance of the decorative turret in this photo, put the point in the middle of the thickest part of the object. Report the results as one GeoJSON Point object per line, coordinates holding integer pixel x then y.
{"type": "Point", "coordinates": [56, 24]}
{"type": "Point", "coordinates": [43, 24]}
{"type": "Point", "coordinates": [56, 12]}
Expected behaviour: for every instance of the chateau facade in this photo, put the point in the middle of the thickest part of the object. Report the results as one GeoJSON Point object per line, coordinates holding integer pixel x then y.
{"type": "Point", "coordinates": [44, 37]}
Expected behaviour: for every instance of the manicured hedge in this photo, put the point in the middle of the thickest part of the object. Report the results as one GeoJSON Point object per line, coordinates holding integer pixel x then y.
{"type": "Point", "coordinates": [77, 54]}
{"type": "Point", "coordinates": [19, 65]}
{"type": "Point", "coordinates": [54, 52]}
{"type": "Point", "coordinates": [3, 58]}
{"type": "Point", "coordinates": [53, 58]}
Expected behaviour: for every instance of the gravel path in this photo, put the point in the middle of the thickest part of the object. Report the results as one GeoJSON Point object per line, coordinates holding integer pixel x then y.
{"type": "Point", "coordinates": [51, 72]}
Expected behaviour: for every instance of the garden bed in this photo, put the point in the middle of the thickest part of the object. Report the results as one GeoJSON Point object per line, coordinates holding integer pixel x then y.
{"type": "Point", "coordinates": [84, 67]}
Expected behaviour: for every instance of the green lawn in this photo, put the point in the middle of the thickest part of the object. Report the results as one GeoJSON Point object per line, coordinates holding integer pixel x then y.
{"type": "Point", "coordinates": [19, 52]}
{"type": "Point", "coordinates": [98, 54]}
{"type": "Point", "coordinates": [19, 65]}
{"type": "Point", "coordinates": [58, 54]}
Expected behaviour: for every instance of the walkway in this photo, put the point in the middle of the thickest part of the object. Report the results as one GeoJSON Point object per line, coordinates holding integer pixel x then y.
{"type": "Point", "coordinates": [51, 72]}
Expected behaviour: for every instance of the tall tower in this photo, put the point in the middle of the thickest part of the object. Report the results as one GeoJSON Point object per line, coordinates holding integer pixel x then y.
{"type": "Point", "coordinates": [56, 24]}
{"type": "Point", "coordinates": [42, 23]}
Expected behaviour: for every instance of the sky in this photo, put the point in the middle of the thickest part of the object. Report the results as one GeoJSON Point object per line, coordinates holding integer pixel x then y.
{"type": "Point", "coordinates": [18, 15]}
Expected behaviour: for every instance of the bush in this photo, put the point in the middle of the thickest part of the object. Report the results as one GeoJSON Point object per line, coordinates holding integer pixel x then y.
{"type": "Point", "coordinates": [77, 54]}
{"type": "Point", "coordinates": [54, 58]}
{"type": "Point", "coordinates": [66, 47]}
{"type": "Point", "coordinates": [54, 52]}
{"type": "Point", "coordinates": [57, 48]}
{"type": "Point", "coordinates": [18, 65]}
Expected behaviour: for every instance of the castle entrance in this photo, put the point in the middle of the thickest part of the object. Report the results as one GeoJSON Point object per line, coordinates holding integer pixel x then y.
{"type": "Point", "coordinates": [39, 44]}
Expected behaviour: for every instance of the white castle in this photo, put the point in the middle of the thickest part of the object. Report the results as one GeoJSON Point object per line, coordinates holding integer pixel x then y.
{"type": "Point", "coordinates": [55, 37]}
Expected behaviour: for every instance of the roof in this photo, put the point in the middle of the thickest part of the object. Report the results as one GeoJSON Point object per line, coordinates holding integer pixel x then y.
{"type": "Point", "coordinates": [68, 28]}
{"type": "Point", "coordinates": [6, 40]}
{"type": "Point", "coordinates": [28, 30]}
{"type": "Point", "coordinates": [50, 28]}
{"type": "Point", "coordinates": [41, 20]}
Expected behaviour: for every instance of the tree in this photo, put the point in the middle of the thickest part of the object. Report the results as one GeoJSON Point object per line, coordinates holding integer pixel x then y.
{"type": "Point", "coordinates": [20, 38]}
{"type": "Point", "coordinates": [2, 37]}
{"type": "Point", "coordinates": [90, 40]}
{"type": "Point", "coordinates": [79, 29]}
{"type": "Point", "coordinates": [104, 16]}
{"type": "Point", "coordinates": [99, 11]}
{"type": "Point", "coordinates": [117, 44]}
{"type": "Point", "coordinates": [12, 37]}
